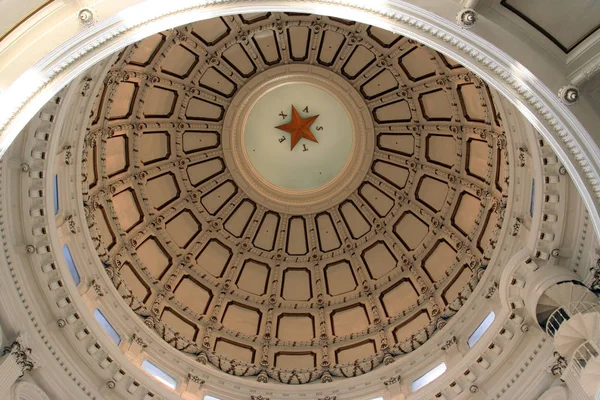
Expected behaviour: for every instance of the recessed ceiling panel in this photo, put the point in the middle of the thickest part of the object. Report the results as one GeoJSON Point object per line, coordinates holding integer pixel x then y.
{"type": "Point", "coordinates": [411, 230]}
{"type": "Point", "coordinates": [379, 260]}
{"type": "Point", "coordinates": [439, 260]}
{"type": "Point", "coordinates": [295, 327]}
{"type": "Point", "coordinates": [348, 320]}
{"type": "Point", "coordinates": [183, 228]}
{"type": "Point", "coordinates": [154, 147]}
{"type": "Point", "coordinates": [193, 295]}
{"type": "Point", "coordinates": [241, 318]}
{"type": "Point", "coordinates": [162, 190]}
{"type": "Point", "coordinates": [297, 242]}
{"type": "Point", "coordinates": [296, 284]}
{"type": "Point", "coordinates": [214, 258]}
{"type": "Point", "coordinates": [339, 278]}
{"type": "Point", "coordinates": [254, 277]}
{"type": "Point", "coordinates": [154, 257]}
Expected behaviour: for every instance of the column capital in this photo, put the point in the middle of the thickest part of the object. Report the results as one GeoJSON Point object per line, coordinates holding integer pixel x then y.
{"type": "Point", "coordinates": [22, 353]}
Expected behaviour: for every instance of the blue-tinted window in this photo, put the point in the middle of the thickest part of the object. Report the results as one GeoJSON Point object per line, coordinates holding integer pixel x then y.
{"type": "Point", "coordinates": [480, 330]}
{"type": "Point", "coordinates": [428, 377]}
{"type": "Point", "coordinates": [210, 398]}
{"type": "Point", "coordinates": [71, 264]}
{"type": "Point", "coordinates": [55, 194]}
{"type": "Point", "coordinates": [108, 328]}
{"type": "Point", "coordinates": [532, 201]}
{"type": "Point", "coordinates": [159, 374]}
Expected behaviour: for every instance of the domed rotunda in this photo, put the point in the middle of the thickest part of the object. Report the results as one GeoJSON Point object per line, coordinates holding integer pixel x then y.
{"type": "Point", "coordinates": [268, 203]}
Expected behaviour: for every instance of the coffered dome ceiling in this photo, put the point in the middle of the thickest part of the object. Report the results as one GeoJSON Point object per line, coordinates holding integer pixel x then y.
{"type": "Point", "coordinates": [219, 271]}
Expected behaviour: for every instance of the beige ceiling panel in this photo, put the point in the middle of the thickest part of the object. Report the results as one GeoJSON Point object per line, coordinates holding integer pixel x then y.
{"type": "Point", "coordinates": [501, 170]}
{"type": "Point", "coordinates": [379, 260]}
{"type": "Point", "coordinates": [215, 81]}
{"type": "Point", "coordinates": [339, 278]}
{"type": "Point", "coordinates": [457, 284]}
{"type": "Point", "coordinates": [234, 351]}
{"type": "Point", "coordinates": [154, 257]}
{"type": "Point", "coordinates": [331, 45]}
{"type": "Point", "coordinates": [356, 222]}
{"type": "Point", "coordinates": [237, 57]}
{"type": "Point", "coordinates": [391, 173]}
{"type": "Point", "coordinates": [241, 318]}
{"type": "Point", "coordinates": [134, 282]}
{"type": "Point", "coordinates": [202, 171]}
{"type": "Point", "coordinates": [296, 284]}
{"type": "Point", "coordinates": [267, 232]}
{"type": "Point", "coordinates": [435, 105]}
{"type": "Point", "coordinates": [474, 108]}
{"type": "Point", "coordinates": [240, 218]}
{"type": "Point", "coordinates": [210, 31]}
{"type": "Point", "coordinates": [441, 150]}
{"type": "Point", "coordinates": [411, 230]}
{"type": "Point", "coordinates": [418, 64]}
{"type": "Point", "coordinates": [383, 37]}
{"type": "Point", "coordinates": [117, 155]}
{"type": "Point", "coordinates": [450, 62]}
{"type": "Point", "coordinates": [183, 228]}
{"type": "Point", "coordinates": [146, 49]}
{"type": "Point", "coordinates": [295, 327]}
{"type": "Point", "coordinates": [487, 232]}
{"type": "Point", "coordinates": [432, 192]}
{"type": "Point", "coordinates": [399, 298]}
{"type": "Point", "coordinates": [360, 59]}
{"type": "Point", "coordinates": [194, 141]}
{"type": "Point", "coordinates": [252, 18]}
{"type": "Point", "coordinates": [397, 111]}
{"type": "Point", "coordinates": [466, 212]}
{"type": "Point", "coordinates": [350, 319]}
{"type": "Point", "coordinates": [254, 277]}
{"type": "Point", "coordinates": [162, 190]}
{"type": "Point", "coordinates": [477, 158]}
{"type": "Point", "coordinates": [179, 324]}
{"type": "Point", "coordinates": [267, 46]}
{"type": "Point", "coordinates": [180, 62]}
{"type": "Point", "coordinates": [289, 360]}
{"type": "Point", "coordinates": [380, 202]}
{"type": "Point", "coordinates": [214, 258]}
{"type": "Point", "coordinates": [328, 237]}
{"type": "Point", "coordinates": [439, 260]}
{"type": "Point", "coordinates": [381, 83]}
{"type": "Point", "coordinates": [349, 354]}
{"type": "Point", "coordinates": [91, 166]}
{"type": "Point", "coordinates": [412, 326]}
{"type": "Point", "coordinates": [154, 146]}
{"type": "Point", "coordinates": [297, 241]}
{"type": "Point", "coordinates": [193, 294]}
{"type": "Point", "coordinates": [160, 102]}
{"type": "Point", "coordinates": [216, 199]}
{"type": "Point", "coordinates": [299, 41]}
{"type": "Point", "coordinates": [122, 101]}
{"type": "Point", "coordinates": [106, 232]}
{"type": "Point", "coordinates": [128, 209]}
{"type": "Point", "coordinates": [200, 109]}
{"type": "Point", "coordinates": [399, 143]}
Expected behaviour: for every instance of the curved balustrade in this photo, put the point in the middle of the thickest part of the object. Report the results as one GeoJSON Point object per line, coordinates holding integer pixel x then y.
{"type": "Point", "coordinates": [564, 313]}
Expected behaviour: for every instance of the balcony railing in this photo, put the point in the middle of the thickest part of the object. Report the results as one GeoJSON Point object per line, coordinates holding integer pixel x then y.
{"type": "Point", "coordinates": [565, 313]}
{"type": "Point", "coordinates": [572, 374]}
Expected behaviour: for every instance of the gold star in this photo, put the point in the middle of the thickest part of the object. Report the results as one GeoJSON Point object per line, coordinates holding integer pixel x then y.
{"type": "Point", "coordinates": [299, 128]}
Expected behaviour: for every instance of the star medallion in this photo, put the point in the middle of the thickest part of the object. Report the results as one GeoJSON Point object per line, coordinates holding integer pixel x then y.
{"type": "Point", "coordinates": [299, 128]}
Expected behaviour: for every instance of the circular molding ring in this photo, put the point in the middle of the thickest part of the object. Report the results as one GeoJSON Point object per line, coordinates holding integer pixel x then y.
{"type": "Point", "coordinates": [298, 201]}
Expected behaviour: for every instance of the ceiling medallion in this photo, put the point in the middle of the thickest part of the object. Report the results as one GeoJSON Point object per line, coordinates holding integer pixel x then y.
{"type": "Point", "coordinates": [299, 128]}
{"type": "Point", "coordinates": [329, 128]}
